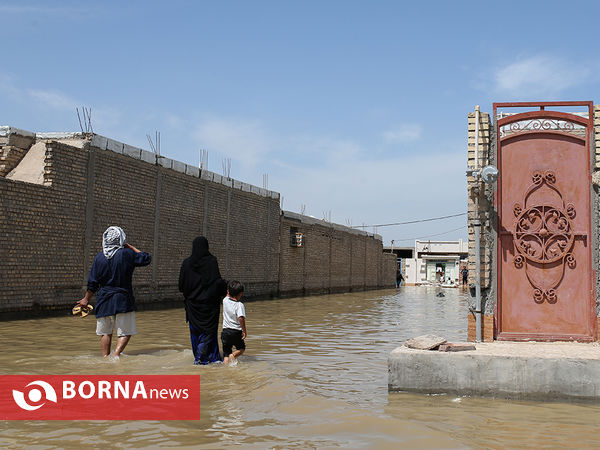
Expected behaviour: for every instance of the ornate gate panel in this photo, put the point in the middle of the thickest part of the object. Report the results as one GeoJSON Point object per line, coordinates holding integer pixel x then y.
{"type": "Point", "coordinates": [545, 275]}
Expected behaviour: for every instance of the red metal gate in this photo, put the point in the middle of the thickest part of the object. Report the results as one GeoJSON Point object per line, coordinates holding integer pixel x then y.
{"type": "Point", "coordinates": [546, 282]}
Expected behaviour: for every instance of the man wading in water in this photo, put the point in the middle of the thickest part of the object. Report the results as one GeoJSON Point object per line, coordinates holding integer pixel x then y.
{"type": "Point", "coordinates": [110, 277]}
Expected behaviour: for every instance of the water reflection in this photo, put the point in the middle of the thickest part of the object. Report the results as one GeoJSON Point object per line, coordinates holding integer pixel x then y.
{"type": "Point", "coordinates": [315, 375]}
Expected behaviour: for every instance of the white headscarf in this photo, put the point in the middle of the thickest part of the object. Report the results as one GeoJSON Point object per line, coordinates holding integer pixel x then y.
{"type": "Point", "coordinates": [112, 240]}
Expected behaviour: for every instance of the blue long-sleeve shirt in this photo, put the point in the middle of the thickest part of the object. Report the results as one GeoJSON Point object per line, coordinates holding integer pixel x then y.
{"type": "Point", "coordinates": [111, 278]}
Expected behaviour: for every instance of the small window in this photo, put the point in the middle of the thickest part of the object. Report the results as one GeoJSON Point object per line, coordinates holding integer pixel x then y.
{"type": "Point", "coordinates": [296, 238]}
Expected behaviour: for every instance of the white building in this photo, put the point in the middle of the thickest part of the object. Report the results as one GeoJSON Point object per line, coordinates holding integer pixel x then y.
{"type": "Point", "coordinates": [435, 262]}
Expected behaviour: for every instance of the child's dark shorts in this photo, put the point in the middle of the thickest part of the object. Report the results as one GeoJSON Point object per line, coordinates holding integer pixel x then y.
{"type": "Point", "coordinates": [231, 338]}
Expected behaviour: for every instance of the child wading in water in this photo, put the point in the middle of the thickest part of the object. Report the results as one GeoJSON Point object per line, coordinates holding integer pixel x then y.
{"type": "Point", "coordinates": [234, 322]}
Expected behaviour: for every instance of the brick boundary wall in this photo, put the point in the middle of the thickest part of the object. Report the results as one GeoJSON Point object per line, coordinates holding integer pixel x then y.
{"type": "Point", "coordinates": [14, 144]}
{"type": "Point", "coordinates": [52, 231]}
{"type": "Point", "coordinates": [332, 258]}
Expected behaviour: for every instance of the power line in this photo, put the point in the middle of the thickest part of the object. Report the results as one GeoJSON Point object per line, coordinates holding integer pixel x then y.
{"type": "Point", "coordinates": [431, 235]}
{"type": "Point", "coordinates": [412, 221]}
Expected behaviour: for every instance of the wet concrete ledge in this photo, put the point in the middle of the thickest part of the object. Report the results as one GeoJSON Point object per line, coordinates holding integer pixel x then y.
{"type": "Point", "coordinates": [524, 370]}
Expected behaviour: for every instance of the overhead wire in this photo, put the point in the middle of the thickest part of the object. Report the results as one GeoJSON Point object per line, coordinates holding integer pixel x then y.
{"type": "Point", "coordinates": [412, 221]}
{"type": "Point", "coordinates": [430, 235]}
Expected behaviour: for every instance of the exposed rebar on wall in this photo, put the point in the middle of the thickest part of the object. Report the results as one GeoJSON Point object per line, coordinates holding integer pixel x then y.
{"type": "Point", "coordinates": [85, 119]}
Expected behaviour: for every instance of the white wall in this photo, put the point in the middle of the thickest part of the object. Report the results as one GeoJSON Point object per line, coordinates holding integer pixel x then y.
{"type": "Point", "coordinates": [414, 269]}
{"type": "Point", "coordinates": [442, 246]}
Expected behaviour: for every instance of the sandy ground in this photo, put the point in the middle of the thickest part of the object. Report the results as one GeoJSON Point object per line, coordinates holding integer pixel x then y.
{"type": "Point", "coordinates": [574, 350]}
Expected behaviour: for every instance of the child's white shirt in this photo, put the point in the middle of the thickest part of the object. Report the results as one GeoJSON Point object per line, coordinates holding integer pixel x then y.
{"type": "Point", "coordinates": [232, 309]}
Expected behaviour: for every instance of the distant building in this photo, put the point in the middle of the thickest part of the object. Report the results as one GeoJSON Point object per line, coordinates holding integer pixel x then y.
{"type": "Point", "coordinates": [401, 253]}
{"type": "Point", "coordinates": [435, 262]}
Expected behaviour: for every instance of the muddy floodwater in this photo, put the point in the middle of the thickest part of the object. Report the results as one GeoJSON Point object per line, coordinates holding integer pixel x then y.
{"type": "Point", "coordinates": [315, 375]}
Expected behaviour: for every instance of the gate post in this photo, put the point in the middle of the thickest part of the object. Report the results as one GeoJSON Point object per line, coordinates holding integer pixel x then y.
{"type": "Point", "coordinates": [480, 217]}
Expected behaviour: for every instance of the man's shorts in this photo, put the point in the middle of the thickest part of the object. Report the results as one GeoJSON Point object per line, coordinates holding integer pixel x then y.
{"type": "Point", "coordinates": [231, 338]}
{"type": "Point", "coordinates": [125, 323]}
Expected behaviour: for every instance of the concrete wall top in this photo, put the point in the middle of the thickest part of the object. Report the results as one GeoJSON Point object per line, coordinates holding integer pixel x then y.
{"type": "Point", "coordinates": [14, 137]}
{"type": "Point", "coordinates": [59, 135]}
{"type": "Point", "coordinates": [104, 143]}
{"type": "Point", "coordinates": [6, 131]}
{"type": "Point", "coordinates": [314, 221]}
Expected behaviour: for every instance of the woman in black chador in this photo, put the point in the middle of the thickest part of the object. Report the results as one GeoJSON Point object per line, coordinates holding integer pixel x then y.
{"type": "Point", "coordinates": [203, 289]}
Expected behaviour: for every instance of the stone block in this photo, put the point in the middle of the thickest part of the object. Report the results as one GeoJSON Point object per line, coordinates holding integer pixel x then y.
{"type": "Point", "coordinates": [246, 187]}
{"type": "Point", "coordinates": [450, 347]}
{"type": "Point", "coordinates": [146, 156]}
{"type": "Point", "coordinates": [131, 149]}
{"type": "Point", "coordinates": [98, 141]}
{"type": "Point", "coordinates": [134, 152]}
{"type": "Point", "coordinates": [217, 178]}
{"type": "Point", "coordinates": [255, 190]}
{"type": "Point", "coordinates": [192, 170]}
{"type": "Point", "coordinates": [237, 184]}
{"type": "Point", "coordinates": [206, 175]}
{"type": "Point", "coordinates": [425, 342]}
{"type": "Point", "coordinates": [178, 166]}
{"type": "Point", "coordinates": [227, 181]}
{"type": "Point", "coordinates": [114, 146]}
{"type": "Point", "coordinates": [165, 162]}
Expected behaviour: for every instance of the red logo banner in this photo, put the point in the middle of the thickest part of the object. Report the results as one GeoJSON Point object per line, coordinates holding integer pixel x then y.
{"type": "Point", "coordinates": [99, 397]}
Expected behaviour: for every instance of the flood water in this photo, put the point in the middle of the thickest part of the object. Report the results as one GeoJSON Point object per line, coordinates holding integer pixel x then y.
{"type": "Point", "coordinates": [314, 375]}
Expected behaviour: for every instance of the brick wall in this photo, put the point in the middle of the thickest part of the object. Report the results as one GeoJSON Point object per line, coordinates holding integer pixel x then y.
{"type": "Point", "coordinates": [13, 146]}
{"type": "Point", "coordinates": [332, 258]}
{"type": "Point", "coordinates": [487, 325]}
{"type": "Point", "coordinates": [162, 210]}
{"type": "Point", "coordinates": [41, 228]}
{"type": "Point", "coordinates": [9, 157]}
{"type": "Point", "coordinates": [51, 232]}
{"type": "Point", "coordinates": [340, 261]}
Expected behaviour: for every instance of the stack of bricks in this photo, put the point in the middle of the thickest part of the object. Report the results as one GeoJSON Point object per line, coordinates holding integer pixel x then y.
{"type": "Point", "coordinates": [485, 207]}
{"type": "Point", "coordinates": [487, 328]}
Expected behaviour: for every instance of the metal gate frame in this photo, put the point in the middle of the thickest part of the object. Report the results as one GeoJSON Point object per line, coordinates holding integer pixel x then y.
{"type": "Point", "coordinates": [542, 113]}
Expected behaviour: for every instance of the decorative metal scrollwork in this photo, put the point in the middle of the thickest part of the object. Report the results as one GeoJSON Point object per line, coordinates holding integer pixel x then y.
{"type": "Point", "coordinates": [541, 125]}
{"type": "Point", "coordinates": [544, 234]}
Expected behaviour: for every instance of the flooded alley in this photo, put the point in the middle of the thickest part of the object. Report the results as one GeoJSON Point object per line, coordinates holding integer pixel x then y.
{"type": "Point", "coordinates": [314, 375]}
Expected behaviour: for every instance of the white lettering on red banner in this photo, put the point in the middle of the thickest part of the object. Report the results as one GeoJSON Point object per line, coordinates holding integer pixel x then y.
{"type": "Point", "coordinates": [99, 397]}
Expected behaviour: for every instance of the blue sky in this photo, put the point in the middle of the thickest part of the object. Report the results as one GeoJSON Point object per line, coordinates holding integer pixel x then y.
{"type": "Point", "coordinates": [358, 108]}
